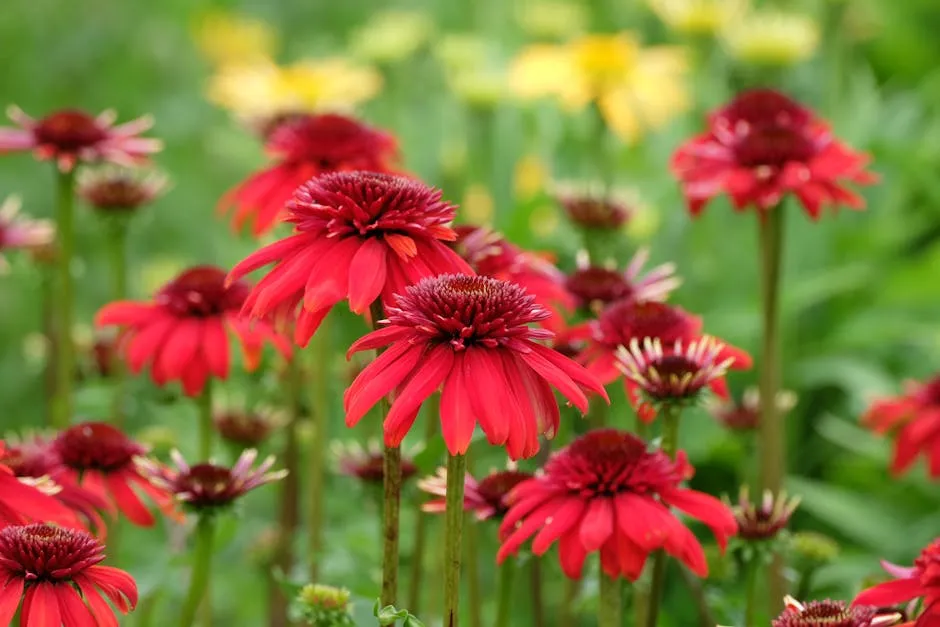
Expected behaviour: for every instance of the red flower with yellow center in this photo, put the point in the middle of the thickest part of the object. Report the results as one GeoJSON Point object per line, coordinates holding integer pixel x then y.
{"type": "Point", "coordinates": [99, 458]}
{"type": "Point", "coordinates": [305, 146]}
{"type": "Point", "coordinates": [763, 146]}
{"type": "Point", "coordinates": [914, 420]}
{"type": "Point", "coordinates": [69, 136]}
{"type": "Point", "coordinates": [54, 576]}
{"type": "Point", "coordinates": [471, 336]}
{"type": "Point", "coordinates": [486, 498]}
{"type": "Point", "coordinates": [358, 236]}
{"type": "Point", "coordinates": [922, 580]}
{"type": "Point", "coordinates": [23, 501]}
{"type": "Point", "coordinates": [184, 332]}
{"type": "Point", "coordinates": [605, 492]}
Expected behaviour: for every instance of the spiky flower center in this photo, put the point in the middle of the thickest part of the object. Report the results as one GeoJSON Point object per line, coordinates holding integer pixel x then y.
{"type": "Point", "coordinates": [41, 552]}
{"type": "Point", "coordinates": [207, 485]}
{"type": "Point", "coordinates": [764, 519]}
{"type": "Point", "coordinates": [69, 130]}
{"type": "Point", "coordinates": [624, 320]}
{"type": "Point", "coordinates": [495, 487]}
{"type": "Point", "coordinates": [119, 190]}
{"type": "Point", "coordinates": [826, 614]}
{"type": "Point", "coordinates": [370, 467]}
{"type": "Point", "coordinates": [467, 311]}
{"type": "Point", "coordinates": [201, 292]}
{"type": "Point", "coordinates": [249, 429]}
{"type": "Point", "coordinates": [765, 128]}
{"type": "Point", "coordinates": [598, 285]}
{"type": "Point", "coordinates": [96, 446]}
{"type": "Point", "coordinates": [607, 462]}
{"type": "Point", "coordinates": [331, 142]}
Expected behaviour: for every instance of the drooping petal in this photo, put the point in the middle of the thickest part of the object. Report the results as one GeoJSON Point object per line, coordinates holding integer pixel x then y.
{"type": "Point", "coordinates": [597, 525]}
{"type": "Point", "coordinates": [128, 502]}
{"type": "Point", "coordinates": [10, 595]}
{"type": "Point", "coordinates": [890, 593]}
{"type": "Point", "coordinates": [125, 313]}
{"type": "Point", "coordinates": [367, 274]}
{"type": "Point", "coordinates": [427, 377]}
{"type": "Point", "coordinates": [41, 606]}
{"type": "Point", "coordinates": [457, 417]}
{"type": "Point", "coordinates": [379, 378]}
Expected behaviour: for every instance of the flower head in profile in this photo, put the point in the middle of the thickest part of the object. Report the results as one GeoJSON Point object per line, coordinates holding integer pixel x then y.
{"type": "Point", "coordinates": [771, 38]}
{"type": "Point", "coordinates": [606, 493]}
{"type": "Point", "coordinates": [246, 427]}
{"type": "Point", "coordinates": [209, 487]}
{"type": "Point", "coordinates": [100, 458]}
{"type": "Point", "coordinates": [486, 498]}
{"type": "Point", "coordinates": [596, 286]}
{"type": "Point", "coordinates": [20, 233]}
{"type": "Point", "coordinates": [913, 420]}
{"type": "Point", "coordinates": [744, 414]}
{"type": "Point", "coordinates": [367, 463]}
{"type": "Point", "coordinates": [183, 333]}
{"type": "Point", "coordinates": [831, 614]}
{"type": "Point", "coordinates": [920, 581]}
{"type": "Point", "coordinates": [25, 499]}
{"type": "Point", "coordinates": [302, 147]}
{"type": "Point", "coordinates": [471, 336]}
{"type": "Point", "coordinates": [359, 236]}
{"type": "Point", "coordinates": [763, 519]}
{"type": "Point", "coordinates": [70, 136]}
{"type": "Point", "coordinates": [598, 212]}
{"type": "Point", "coordinates": [763, 146]}
{"type": "Point", "coordinates": [116, 189]}
{"type": "Point", "coordinates": [490, 254]}
{"type": "Point", "coordinates": [54, 576]}
{"type": "Point", "coordinates": [324, 606]}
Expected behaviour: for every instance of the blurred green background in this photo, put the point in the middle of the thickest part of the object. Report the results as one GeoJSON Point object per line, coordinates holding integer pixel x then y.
{"type": "Point", "coordinates": [860, 304]}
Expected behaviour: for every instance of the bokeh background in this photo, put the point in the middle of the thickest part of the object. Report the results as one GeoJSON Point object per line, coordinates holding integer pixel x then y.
{"type": "Point", "coordinates": [860, 297]}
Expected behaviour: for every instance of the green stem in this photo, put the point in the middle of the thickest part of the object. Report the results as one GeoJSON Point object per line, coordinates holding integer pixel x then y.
{"type": "Point", "coordinates": [598, 413]}
{"type": "Point", "coordinates": [65, 360]}
{"type": "Point", "coordinates": [670, 444]}
{"type": "Point", "coordinates": [206, 429]}
{"type": "Point", "coordinates": [50, 327]}
{"type": "Point", "coordinates": [772, 436]}
{"type": "Point", "coordinates": [202, 570]}
{"type": "Point", "coordinates": [453, 526]}
{"type": "Point", "coordinates": [432, 409]}
{"type": "Point", "coordinates": [705, 617]}
{"type": "Point", "coordinates": [471, 551]}
{"type": "Point", "coordinates": [751, 601]}
{"type": "Point", "coordinates": [320, 370]}
{"type": "Point", "coordinates": [117, 247]}
{"type": "Point", "coordinates": [610, 605]}
{"type": "Point", "coordinates": [504, 606]}
{"type": "Point", "coordinates": [538, 601]}
{"type": "Point", "coordinates": [572, 589]}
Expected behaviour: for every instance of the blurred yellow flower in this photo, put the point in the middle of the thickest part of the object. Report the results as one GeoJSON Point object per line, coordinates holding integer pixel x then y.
{"type": "Point", "coordinates": [478, 88]}
{"type": "Point", "coordinates": [477, 205]}
{"type": "Point", "coordinates": [461, 51]}
{"type": "Point", "coordinates": [391, 36]}
{"type": "Point", "coordinates": [530, 176]}
{"type": "Point", "coordinates": [551, 19]}
{"type": "Point", "coordinates": [264, 90]}
{"type": "Point", "coordinates": [227, 38]}
{"type": "Point", "coordinates": [636, 89]}
{"type": "Point", "coordinates": [772, 38]}
{"type": "Point", "coordinates": [698, 17]}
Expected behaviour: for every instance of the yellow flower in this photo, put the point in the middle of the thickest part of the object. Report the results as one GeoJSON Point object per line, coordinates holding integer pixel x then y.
{"type": "Point", "coordinates": [635, 88]}
{"type": "Point", "coordinates": [551, 19]}
{"type": "Point", "coordinates": [227, 39]}
{"type": "Point", "coordinates": [530, 176]}
{"type": "Point", "coordinates": [697, 17]}
{"type": "Point", "coordinates": [460, 52]}
{"type": "Point", "coordinates": [772, 38]}
{"type": "Point", "coordinates": [478, 88]}
{"type": "Point", "coordinates": [477, 205]}
{"type": "Point", "coordinates": [391, 36]}
{"type": "Point", "coordinates": [264, 90]}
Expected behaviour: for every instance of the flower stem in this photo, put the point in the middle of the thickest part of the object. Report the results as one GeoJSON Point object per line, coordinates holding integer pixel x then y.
{"type": "Point", "coordinates": [432, 408]}
{"type": "Point", "coordinates": [750, 592]}
{"type": "Point", "coordinates": [117, 247]}
{"type": "Point", "coordinates": [535, 584]}
{"type": "Point", "coordinates": [772, 436]}
{"type": "Point", "coordinates": [65, 360]}
{"type": "Point", "coordinates": [705, 618]}
{"type": "Point", "coordinates": [610, 605]}
{"type": "Point", "coordinates": [202, 570]}
{"type": "Point", "coordinates": [319, 415]}
{"type": "Point", "coordinates": [205, 422]}
{"type": "Point", "coordinates": [474, 598]}
{"type": "Point", "coordinates": [572, 588]}
{"type": "Point", "coordinates": [670, 444]}
{"type": "Point", "coordinates": [504, 606]}
{"type": "Point", "coordinates": [453, 526]}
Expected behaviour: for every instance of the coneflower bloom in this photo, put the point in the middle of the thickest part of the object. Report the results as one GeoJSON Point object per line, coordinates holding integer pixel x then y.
{"type": "Point", "coordinates": [305, 146]}
{"type": "Point", "coordinates": [595, 287]}
{"type": "Point", "coordinates": [594, 211]}
{"type": "Point", "coordinates": [913, 419]}
{"type": "Point", "coordinates": [69, 136]}
{"type": "Point", "coordinates": [489, 254]}
{"type": "Point", "coordinates": [471, 335]}
{"type": "Point", "coordinates": [764, 519]}
{"type": "Point", "coordinates": [17, 232]}
{"type": "Point", "coordinates": [605, 492]}
{"type": "Point", "coordinates": [675, 374]}
{"type": "Point", "coordinates": [24, 500]}
{"type": "Point", "coordinates": [620, 322]}
{"type": "Point", "coordinates": [245, 427]}
{"type": "Point", "coordinates": [486, 498]}
{"type": "Point", "coordinates": [832, 614]}
{"type": "Point", "coordinates": [358, 236]}
{"type": "Point", "coordinates": [920, 581]}
{"type": "Point", "coordinates": [35, 459]}
{"type": "Point", "coordinates": [116, 189]}
{"type": "Point", "coordinates": [209, 486]}
{"type": "Point", "coordinates": [183, 333]}
{"type": "Point", "coordinates": [367, 463]}
{"type": "Point", "coordinates": [55, 577]}
{"type": "Point", "coordinates": [744, 414]}
{"type": "Point", "coordinates": [763, 146]}
{"type": "Point", "coordinates": [100, 458]}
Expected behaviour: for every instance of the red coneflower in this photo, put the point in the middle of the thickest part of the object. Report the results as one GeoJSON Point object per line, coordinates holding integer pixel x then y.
{"type": "Point", "coordinates": [17, 232]}
{"type": "Point", "coordinates": [359, 236]}
{"type": "Point", "coordinates": [366, 463]}
{"type": "Point", "coordinates": [762, 146]}
{"type": "Point", "coordinates": [25, 500]}
{"type": "Point", "coordinates": [486, 498]}
{"type": "Point", "coordinates": [118, 190]}
{"type": "Point", "coordinates": [183, 333]}
{"type": "Point", "coordinates": [595, 287]}
{"type": "Point", "coordinates": [605, 492]}
{"type": "Point", "coordinates": [303, 147]}
{"type": "Point", "coordinates": [71, 135]}
{"type": "Point", "coordinates": [744, 414]}
{"type": "Point", "coordinates": [601, 212]}
{"type": "Point", "coordinates": [765, 519]}
{"type": "Point", "coordinates": [209, 486]}
{"type": "Point", "coordinates": [245, 427]}
{"type": "Point", "coordinates": [914, 419]}
{"type": "Point", "coordinates": [471, 335]}
{"type": "Point", "coordinates": [624, 320]}
{"type": "Point", "coordinates": [922, 580]}
{"type": "Point", "coordinates": [831, 614]}
{"type": "Point", "coordinates": [489, 254]}
{"type": "Point", "coordinates": [56, 574]}
{"type": "Point", "coordinates": [99, 458]}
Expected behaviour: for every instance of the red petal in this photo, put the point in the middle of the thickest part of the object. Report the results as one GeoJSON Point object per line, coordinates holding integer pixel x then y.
{"type": "Point", "coordinates": [483, 371]}
{"type": "Point", "coordinates": [329, 280]}
{"type": "Point", "coordinates": [10, 595]}
{"type": "Point", "coordinates": [99, 607]}
{"type": "Point", "coordinates": [41, 607]}
{"type": "Point", "coordinates": [457, 417]}
{"type": "Point", "coordinates": [271, 253]}
{"type": "Point", "coordinates": [378, 339]}
{"type": "Point", "coordinates": [597, 525]}
{"type": "Point", "coordinates": [561, 381]}
{"type": "Point", "coordinates": [117, 584]}
{"type": "Point", "coordinates": [379, 378]}
{"type": "Point", "coordinates": [215, 348]}
{"type": "Point", "coordinates": [890, 593]}
{"type": "Point", "coordinates": [125, 312]}
{"type": "Point", "coordinates": [428, 376]}
{"type": "Point", "coordinates": [144, 343]}
{"type": "Point", "coordinates": [571, 553]}
{"type": "Point", "coordinates": [367, 274]}
{"type": "Point", "coordinates": [563, 520]}
{"type": "Point", "coordinates": [705, 508]}
{"type": "Point", "coordinates": [127, 501]}
{"type": "Point", "coordinates": [73, 610]}
{"type": "Point", "coordinates": [178, 350]}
